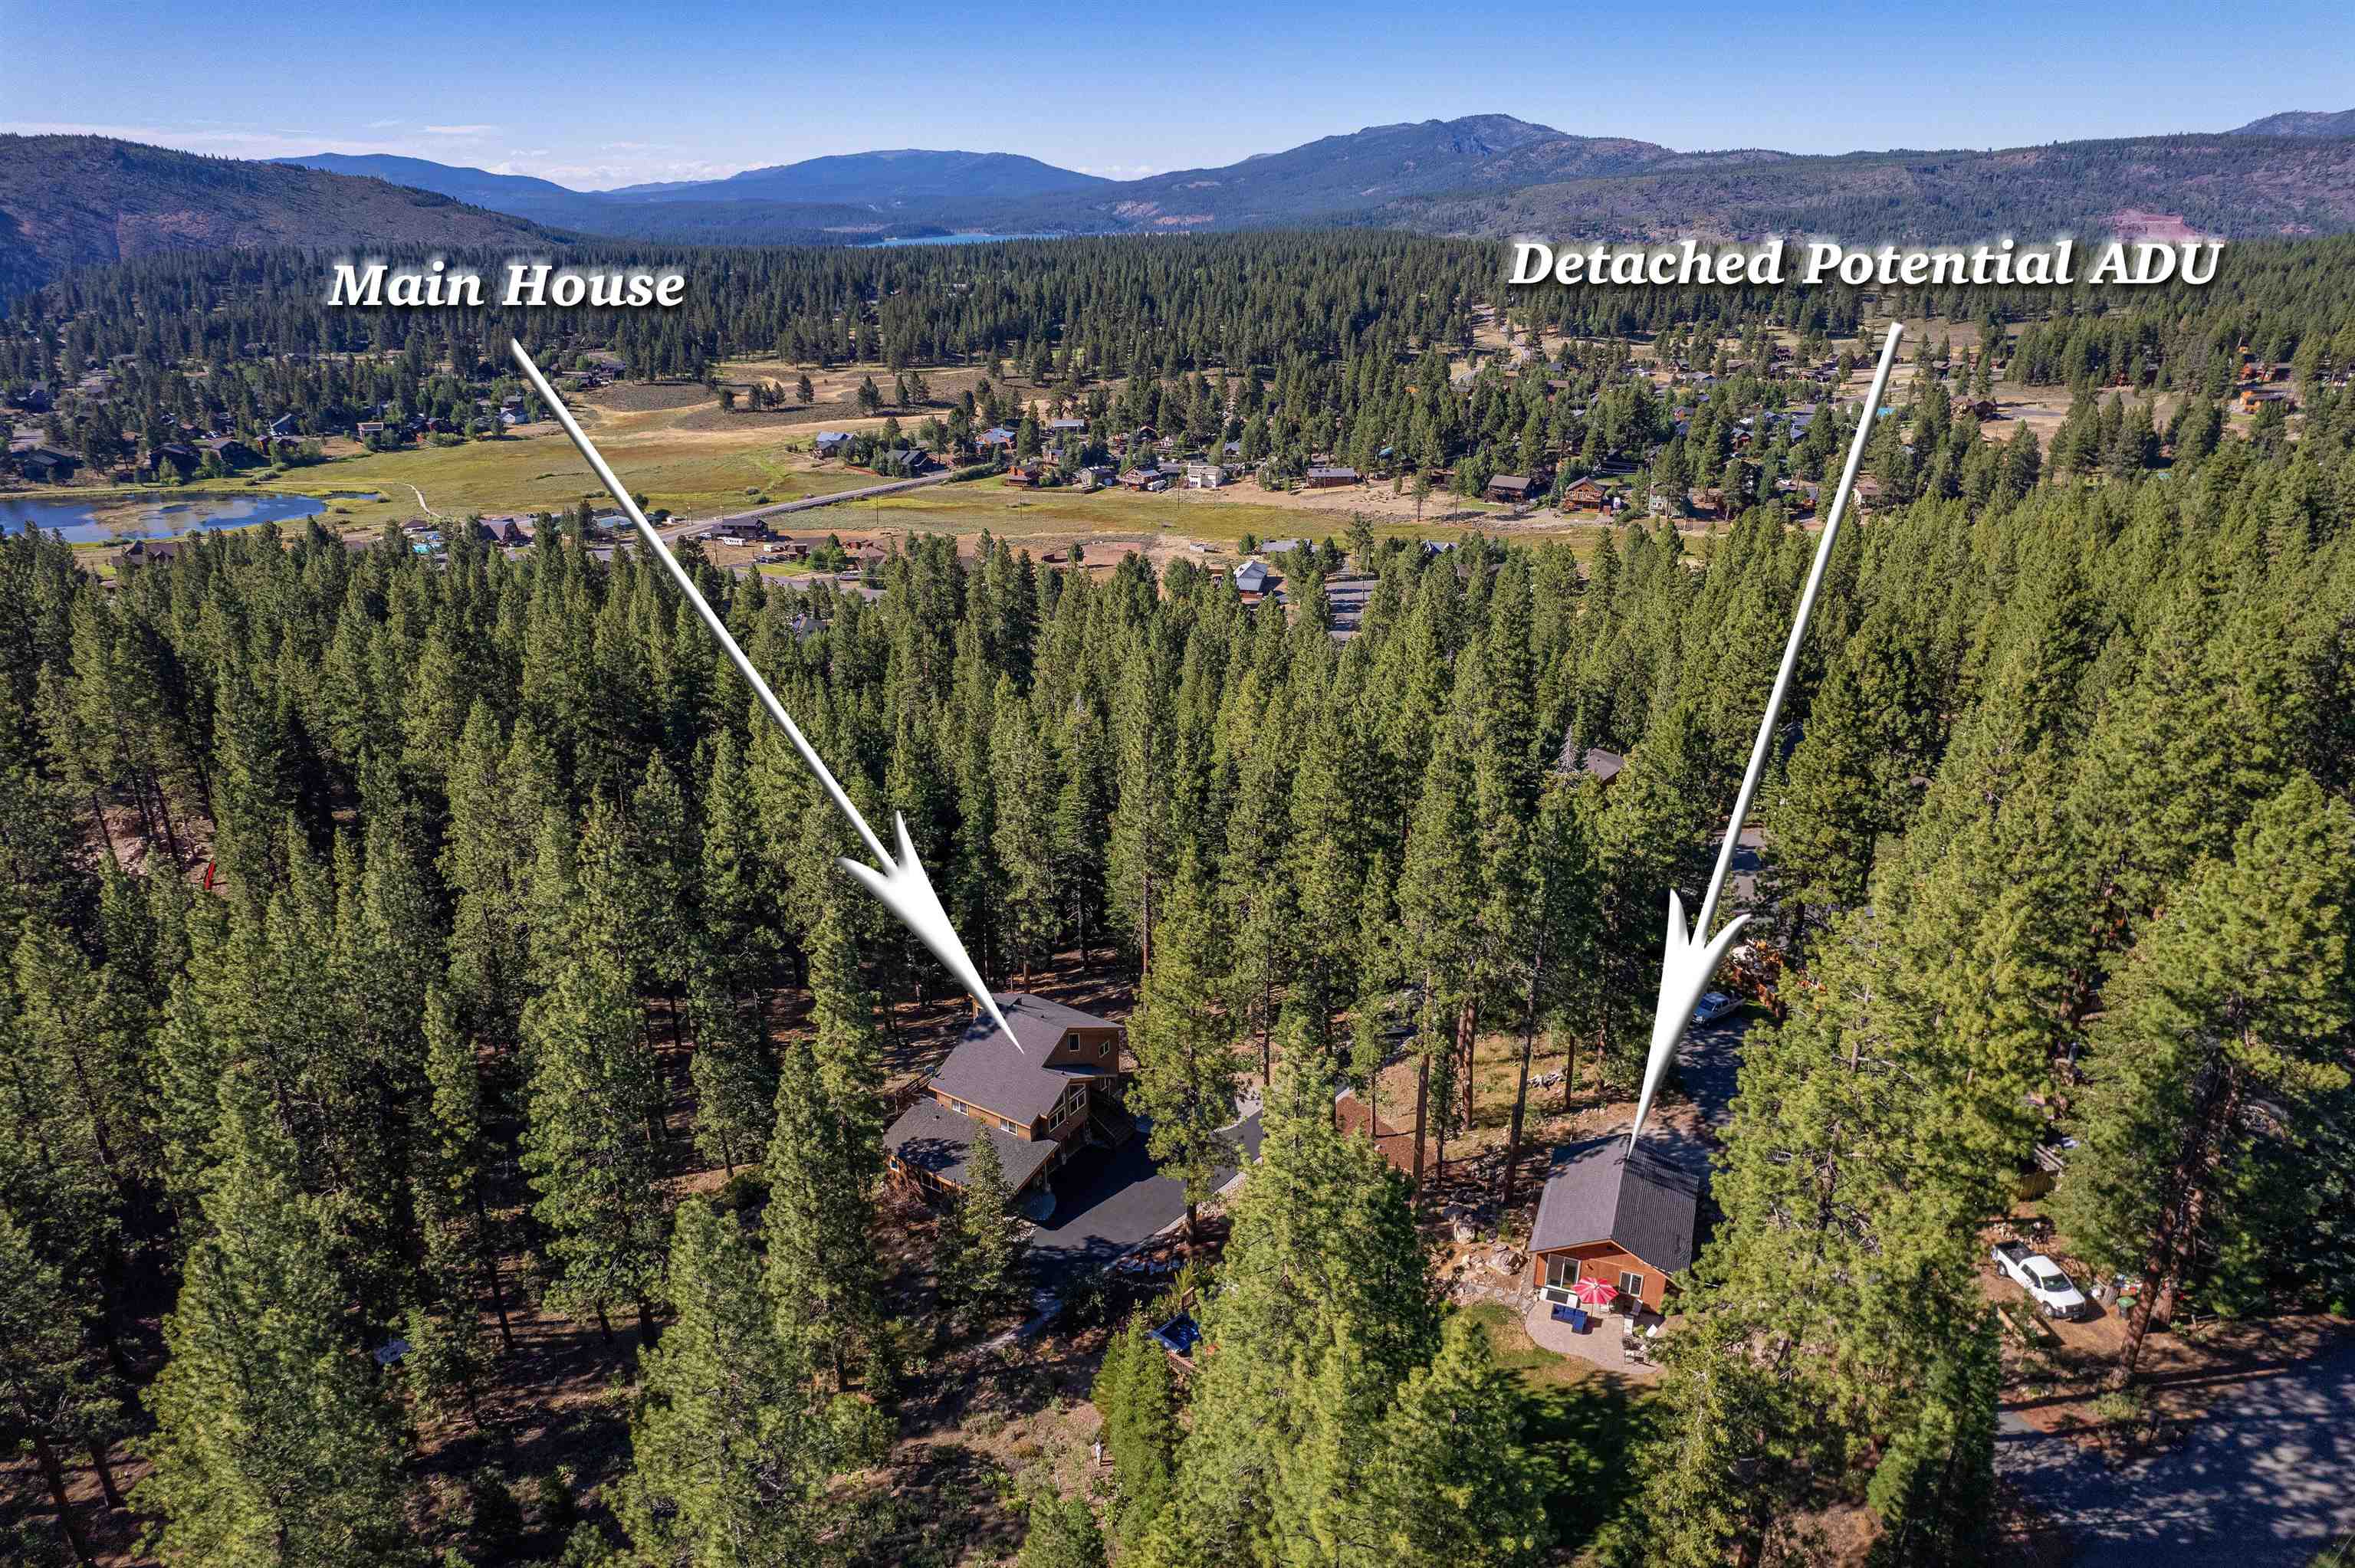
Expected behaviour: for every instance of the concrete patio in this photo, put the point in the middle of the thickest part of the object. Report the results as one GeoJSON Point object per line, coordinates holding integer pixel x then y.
{"type": "Point", "coordinates": [1599, 1345]}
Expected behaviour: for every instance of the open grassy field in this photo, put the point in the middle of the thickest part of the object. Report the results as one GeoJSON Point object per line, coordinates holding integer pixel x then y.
{"type": "Point", "coordinates": [660, 451]}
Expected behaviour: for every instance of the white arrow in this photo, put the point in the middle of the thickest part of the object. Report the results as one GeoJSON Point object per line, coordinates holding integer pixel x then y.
{"type": "Point", "coordinates": [1689, 960]}
{"type": "Point", "coordinates": [902, 884]}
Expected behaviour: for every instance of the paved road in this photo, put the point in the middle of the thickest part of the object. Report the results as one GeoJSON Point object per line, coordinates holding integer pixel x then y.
{"type": "Point", "coordinates": [2266, 1480]}
{"type": "Point", "coordinates": [695, 525]}
{"type": "Point", "coordinates": [1108, 1201]}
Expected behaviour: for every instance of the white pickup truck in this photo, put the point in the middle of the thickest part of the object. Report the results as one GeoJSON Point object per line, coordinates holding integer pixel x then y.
{"type": "Point", "coordinates": [2042, 1279]}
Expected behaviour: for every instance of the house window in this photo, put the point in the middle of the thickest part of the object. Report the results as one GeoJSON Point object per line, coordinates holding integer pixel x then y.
{"type": "Point", "coordinates": [1562, 1270]}
{"type": "Point", "coordinates": [1103, 1047]}
{"type": "Point", "coordinates": [1631, 1283]}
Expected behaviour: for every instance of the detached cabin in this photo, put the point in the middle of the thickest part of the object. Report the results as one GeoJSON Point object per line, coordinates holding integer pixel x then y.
{"type": "Point", "coordinates": [1058, 1092]}
{"type": "Point", "coordinates": [1622, 1217]}
{"type": "Point", "coordinates": [1584, 493]}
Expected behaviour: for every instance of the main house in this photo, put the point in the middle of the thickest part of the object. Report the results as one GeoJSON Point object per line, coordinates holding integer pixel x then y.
{"type": "Point", "coordinates": [1037, 1105]}
{"type": "Point", "coordinates": [1625, 1218]}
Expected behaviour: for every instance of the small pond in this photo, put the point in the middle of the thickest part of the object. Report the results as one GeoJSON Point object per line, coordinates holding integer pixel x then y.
{"type": "Point", "coordinates": [107, 518]}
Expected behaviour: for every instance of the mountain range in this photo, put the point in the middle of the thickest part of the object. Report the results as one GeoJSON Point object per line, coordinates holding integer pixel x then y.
{"type": "Point", "coordinates": [67, 201]}
{"type": "Point", "coordinates": [2302, 122]}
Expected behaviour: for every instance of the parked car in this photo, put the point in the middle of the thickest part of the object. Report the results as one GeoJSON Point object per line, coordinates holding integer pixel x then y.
{"type": "Point", "coordinates": [2042, 1279]}
{"type": "Point", "coordinates": [1713, 1006]}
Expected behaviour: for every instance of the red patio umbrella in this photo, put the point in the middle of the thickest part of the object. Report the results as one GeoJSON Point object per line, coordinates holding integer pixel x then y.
{"type": "Point", "coordinates": [1595, 1292]}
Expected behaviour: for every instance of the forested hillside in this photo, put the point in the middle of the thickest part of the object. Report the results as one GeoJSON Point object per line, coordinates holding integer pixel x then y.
{"type": "Point", "coordinates": [78, 201]}
{"type": "Point", "coordinates": [405, 951]}
{"type": "Point", "coordinates": [69, 201]}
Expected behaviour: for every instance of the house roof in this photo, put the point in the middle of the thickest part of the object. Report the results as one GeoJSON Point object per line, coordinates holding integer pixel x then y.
{"type": "Point", "coordinates": [1598, 1190]}
{"type": "Point", "coordinates": [1250, 576]}
{"type": "Point", "coordinates": [1604, 765]}
{"type": "Point", "coordinates": [985, 1071]}
{"type": "Point", "coordinates": [931, 1138]}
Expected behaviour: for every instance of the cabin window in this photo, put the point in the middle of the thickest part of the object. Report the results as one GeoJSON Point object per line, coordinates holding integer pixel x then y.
{"type": "Point", "coordinates": [1631, 1283]}
{"type": "Point", "coordinates": [1561, 1269]}
{"type": "Point", "coordinates": [1103, 1046]}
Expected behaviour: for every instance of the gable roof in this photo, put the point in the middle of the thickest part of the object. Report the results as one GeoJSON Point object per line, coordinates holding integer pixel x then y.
{"type": "Point", "coordinates": [1604, 765]}
{"type": "Point", "coordinates": [985, 1071]}
{"type": "Point", "coordinates": [931, 1138]}
{"type": "Point", "coordinates": [1597, 1191]}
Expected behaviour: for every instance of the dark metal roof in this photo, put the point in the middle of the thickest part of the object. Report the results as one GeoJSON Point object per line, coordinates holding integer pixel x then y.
{"type": "Point", "coordinates": [1639, 1203]}
{"type": "Point", "coordinates": [986, 1071]}
{"type": "Point", "coordinates": [931, 1138]}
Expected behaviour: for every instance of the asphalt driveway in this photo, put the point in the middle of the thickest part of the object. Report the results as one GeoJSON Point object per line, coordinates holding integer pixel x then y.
{"type": "Point", "coordinates": [1709, 1066]}
{"type": "Point", "coordinates": [1107, 1200]}
{"type": "Point", "coordinates": [2266, 1479]}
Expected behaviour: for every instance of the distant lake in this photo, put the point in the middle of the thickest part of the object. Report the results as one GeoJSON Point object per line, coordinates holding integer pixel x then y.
{"type": "Point", "coordinates": [93, 522]}
{"type": "Point", "coordinates": [951, 239]}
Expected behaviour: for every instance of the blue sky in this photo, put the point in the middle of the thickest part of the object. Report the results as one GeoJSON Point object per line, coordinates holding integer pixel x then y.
{"type": "Point", "coordinates": [597, 94]}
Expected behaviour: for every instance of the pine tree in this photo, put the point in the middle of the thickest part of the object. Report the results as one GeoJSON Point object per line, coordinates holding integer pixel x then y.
{"type": "Point", "coordinates": [978, 1263]}
{"type": "Point", "coordinates": [1934, 1489]}
{"type": "Point", "coordinates": [1182, 1034]}
{"type": "Point", "coordinates": [730, 1449]}
{"type": "Point", "coordinates": [825, 1160]}
{"type": "Point", "coordinates": [734, 1073]}
{"type": "Point", "coordinates": [273, 1446]}
{"type": "Point", "coordinates": [1026, 777]}
{"type": "Point", "coordinates": [1137, 1399]}
{"type": "Point", "coordinates": [1450, 1480]}
{"type": "Point", "coordinates": [451, 1196]}
{"type": "Point", "coordinates": [1062, 1532]}
{"type": "Point", "coordinates": [54, 1394]}
{"type": "Point", "coordinates": [1323, 1290]}
{"type": "Point", "coordinates": [589, 1148]}
{"type": "Point", "coordinates": [1143, 834]}
{"type": "Point", "coordinates": [2240, 990]}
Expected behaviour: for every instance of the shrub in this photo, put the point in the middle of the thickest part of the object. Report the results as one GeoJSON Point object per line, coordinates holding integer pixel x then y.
{"type": "Point", "coordinates": [2120, 1406]}
{"type": "Point", "coordinates": [493, 1518]}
